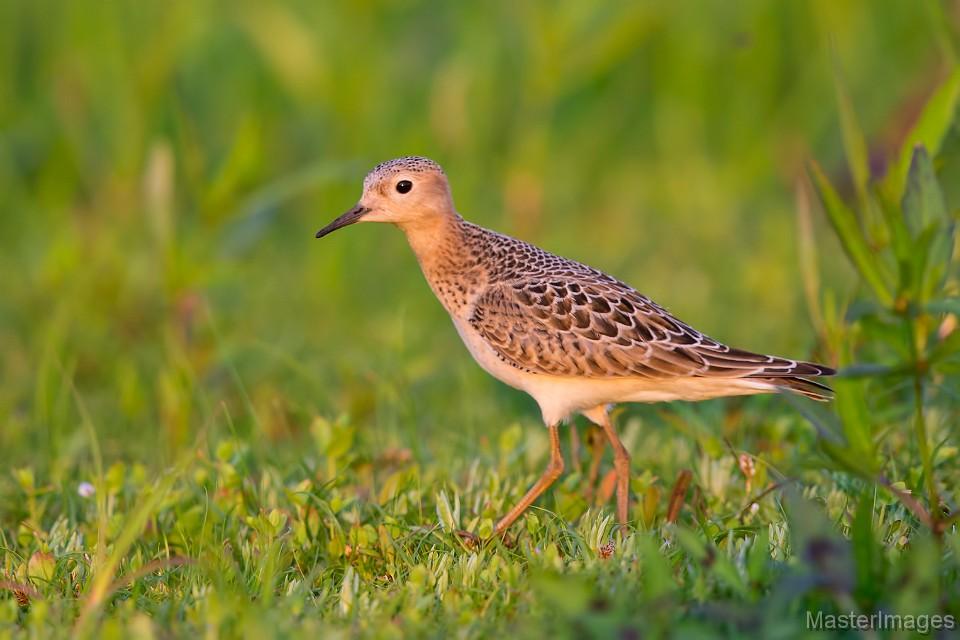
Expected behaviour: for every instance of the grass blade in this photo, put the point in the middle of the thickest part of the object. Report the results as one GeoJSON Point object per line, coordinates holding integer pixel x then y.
{"type": "Point", "coordinates": [854, 142]}
{"type": "Point", "coordinates": [807, 253]}
{"type": "Point", "coordinates": [848, 230]}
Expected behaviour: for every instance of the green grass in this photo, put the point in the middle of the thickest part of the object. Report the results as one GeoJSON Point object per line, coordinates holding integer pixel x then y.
{"type": "Point", "coordinates": [283, 435]}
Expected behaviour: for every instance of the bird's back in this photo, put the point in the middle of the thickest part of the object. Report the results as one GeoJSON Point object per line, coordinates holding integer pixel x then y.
{"type": "Point", "coordinates": [548, 315]}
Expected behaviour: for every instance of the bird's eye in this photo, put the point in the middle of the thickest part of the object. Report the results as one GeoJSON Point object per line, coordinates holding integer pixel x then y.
{"type": "Point", "coordinates": [404, 186]}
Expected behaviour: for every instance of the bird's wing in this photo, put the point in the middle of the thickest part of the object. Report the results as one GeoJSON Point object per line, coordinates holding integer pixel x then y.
{"type": "Point", "coordinates": [606, 329]}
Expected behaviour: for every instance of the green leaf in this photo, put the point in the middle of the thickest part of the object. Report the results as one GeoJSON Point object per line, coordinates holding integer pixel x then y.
{"type": "Point", "coordinates": [859, 309]}
{"type": "Point", "coordinates": [846, 459]}
{"type": "Point", "coordinates": [922, 201]}
{"type": "Point", "coordinates": [851, 407]}
{"type": "Point", "coordinates": [807, 253]}
{"type": "Point", "coordinates": [758, 557]}
{"type": "Point", "coordinates": [692, 543]}
{"type": "Point", "coordinates": [854, 142]}
{"type": "Point", "coordinates": [925, 214]}
{"type": "Point", "coordinates": [448, 516]}
{"type": "Point", "coordinates": [855, 457]}
{"type": "Point", "coordinates": [727, 573]}
{"type": "Point", "coordinates": [930, 130]}
{"type": "Point", "coordinates": [568, 595]}
{"type": "Point", "coordinates": [851, 236]}
{"type": "Point", "coordinates": [868, 370]}
{"type": "Point", "coordinates": [655, 570]}
{"type": "Point", "coordinates": [899, 236]}
{"type": "Point", "coordinates": [946, 349]}
{"type": "Point", "coordinates": [943, 305]}
{"type": "Point", "coordinates": [939, 259]}
{"type": "Point", "coordinates": [858, 160]}
{"type": "Point", "coordinates": [865, 548]}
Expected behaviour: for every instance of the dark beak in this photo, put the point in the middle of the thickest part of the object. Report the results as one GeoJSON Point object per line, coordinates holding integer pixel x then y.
{"type": "Point", "coordinates": [346, 219]}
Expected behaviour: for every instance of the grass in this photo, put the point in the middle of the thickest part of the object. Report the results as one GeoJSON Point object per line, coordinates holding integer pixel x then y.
{"type": "Point", "coordinates": [212, 425]}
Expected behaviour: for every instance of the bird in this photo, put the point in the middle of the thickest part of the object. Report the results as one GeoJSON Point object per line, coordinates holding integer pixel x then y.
{"type": "Point", "coordinates": [577, 340]}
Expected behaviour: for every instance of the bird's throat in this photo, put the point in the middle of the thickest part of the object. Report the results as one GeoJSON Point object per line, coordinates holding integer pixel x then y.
{"type": "Point", "coordinates": [450, 267]}
{"type": "Point", "coordinates": [435, 241]}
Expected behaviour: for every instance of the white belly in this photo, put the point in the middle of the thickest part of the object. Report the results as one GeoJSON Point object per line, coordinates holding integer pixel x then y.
{"type": "Point", "coordinates": [561, 396]}
{"type": "Point", "coordinates": [488, 359]}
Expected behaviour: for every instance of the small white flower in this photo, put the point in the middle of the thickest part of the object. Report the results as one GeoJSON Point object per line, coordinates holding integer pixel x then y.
{"type": "Point", "coordinates": [85, 489]}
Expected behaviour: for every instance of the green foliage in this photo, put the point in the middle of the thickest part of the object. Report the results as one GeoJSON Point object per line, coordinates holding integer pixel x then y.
{"type": "Point", "coordinates": [211, 424]}
{"type": "Point", "coordinates": [906, 324]}
{"type": "Point", "coordinates": [278, 551]}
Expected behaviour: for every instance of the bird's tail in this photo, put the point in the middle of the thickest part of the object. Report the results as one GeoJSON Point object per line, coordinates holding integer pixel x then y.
{"type": "Point", "coordinates": [773, 372]}
{"type": "Point", "coordinates": [802, 386]}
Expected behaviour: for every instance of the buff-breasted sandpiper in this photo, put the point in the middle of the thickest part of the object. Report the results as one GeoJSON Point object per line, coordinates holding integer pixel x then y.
{"type": "Point", "coordinates": [574, 338]}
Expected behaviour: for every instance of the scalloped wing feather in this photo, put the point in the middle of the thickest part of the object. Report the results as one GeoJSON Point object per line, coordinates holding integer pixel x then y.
{"type": "Point", "coordinates": [602, 328]}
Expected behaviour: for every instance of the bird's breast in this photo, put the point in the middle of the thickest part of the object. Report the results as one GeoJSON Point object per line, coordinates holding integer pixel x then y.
{"type": "Point", "coordinates": [488, 358]}
{"type": "Point", "coordinates": [455, 288]}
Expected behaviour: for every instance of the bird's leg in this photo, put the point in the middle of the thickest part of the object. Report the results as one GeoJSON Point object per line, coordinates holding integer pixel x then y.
{"type": "Point", "coordinates": [596, 444]}
{"type": "Point", "coordinates": [621, 464]}
{"type": "Point", "coordinates": [574, 447]}
{"type": "Point", "coordinates": [550, 474]}
{"type": "Point", "coordinates": [606, 487]}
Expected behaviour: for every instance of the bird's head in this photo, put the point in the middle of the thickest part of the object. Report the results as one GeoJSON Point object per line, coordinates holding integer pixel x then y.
{"type": "Point", "coordinates": [407, 192]}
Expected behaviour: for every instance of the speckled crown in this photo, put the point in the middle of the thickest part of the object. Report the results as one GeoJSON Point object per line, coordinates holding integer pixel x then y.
{"type": "Point", "coordinates": [414, 164]}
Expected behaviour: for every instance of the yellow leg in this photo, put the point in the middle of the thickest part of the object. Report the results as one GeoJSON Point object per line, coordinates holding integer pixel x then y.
{"type": "Point", "coordinates": [574, 447]}
{"type": "Point", "coordinates": [596, 443]}
{"type": "Point", "coordinates": [606, 487]}
{"type": "Point", "coordinates": [552, 472]}
{"type": "Point", "coordinates": [621, 460]}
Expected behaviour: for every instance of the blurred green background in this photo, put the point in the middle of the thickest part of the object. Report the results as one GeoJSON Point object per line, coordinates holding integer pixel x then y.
{"type": "Point", "coordinates": [164, 165]}
{"type": "Point", "coordinates": [211, 422]}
